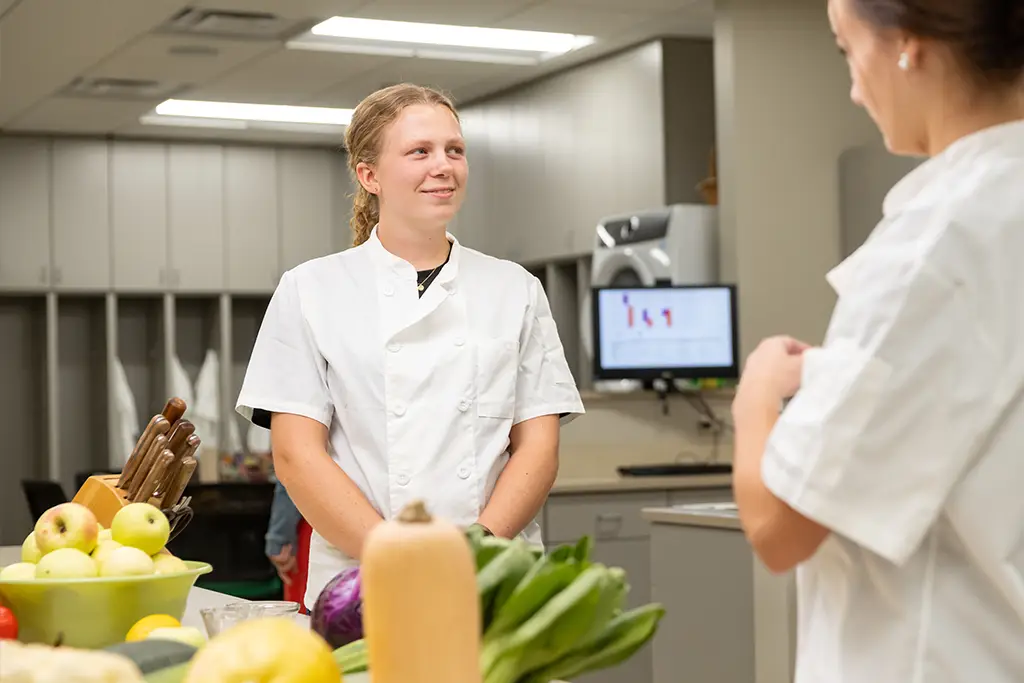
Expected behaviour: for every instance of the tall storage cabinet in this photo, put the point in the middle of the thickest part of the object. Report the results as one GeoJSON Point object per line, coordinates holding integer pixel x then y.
{"type": "Point", "coordinates": [141, 256]}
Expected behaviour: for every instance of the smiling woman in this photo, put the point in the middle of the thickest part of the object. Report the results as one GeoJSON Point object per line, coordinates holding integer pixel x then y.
{"type": "Point", "coordinates": [409, 367]}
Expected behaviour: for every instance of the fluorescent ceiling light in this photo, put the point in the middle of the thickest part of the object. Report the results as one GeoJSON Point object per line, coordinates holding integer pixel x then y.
{"type": "Point", "coordinates": [438, 41]}
{"type": "Point", "coordinates": [238, 111]}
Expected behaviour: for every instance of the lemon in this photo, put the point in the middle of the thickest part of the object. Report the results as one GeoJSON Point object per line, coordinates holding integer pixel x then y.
{"type": "Point", "coordinates": [265, 650]}
{"type": "Point", "coordinates": [144, 626]}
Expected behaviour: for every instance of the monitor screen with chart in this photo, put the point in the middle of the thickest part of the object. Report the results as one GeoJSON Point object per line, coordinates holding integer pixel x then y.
{"type": "Point", "coordinates": [681, 331]}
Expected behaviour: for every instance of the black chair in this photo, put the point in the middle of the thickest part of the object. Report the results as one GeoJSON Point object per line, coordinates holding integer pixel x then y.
{"type": "Point", "coordinates": [42, 495]}
{"type": "Point", "coordinates": [227, 530]}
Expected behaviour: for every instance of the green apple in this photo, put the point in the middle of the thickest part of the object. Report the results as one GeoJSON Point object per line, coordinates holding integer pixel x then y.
{"type": "Point", "coordinates": [126, 561]}
{"type": "Point", "coordinates": [103, 550]}
{"type": "Point", "coordinates": [66, 563]}
{"type": "Point", "coordinates": [168, 564]}
{"type": "Point", "coordinates": [68, 525]}
{"type": "Point", "coordinates": [104, 535]}
{"type": "Point", "coordinates": [189, 635]}
{"type": "Point", "coordinates": [30, 551]}
{"type": "Point", "coordinates": [18, 571]}
{"type": "Point", "coordinates": [142, 526]}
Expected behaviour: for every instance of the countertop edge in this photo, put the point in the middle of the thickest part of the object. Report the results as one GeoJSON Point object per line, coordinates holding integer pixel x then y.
{"type": "Point", "coordinates": [679, 516]}
{"type": "Point", "coordinates": [615, 484]}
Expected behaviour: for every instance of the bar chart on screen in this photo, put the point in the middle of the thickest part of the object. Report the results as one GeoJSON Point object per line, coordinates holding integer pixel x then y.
{"type": "Point", "coordinates": [665, 327]}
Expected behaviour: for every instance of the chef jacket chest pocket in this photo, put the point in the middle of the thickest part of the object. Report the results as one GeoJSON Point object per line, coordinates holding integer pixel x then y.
{"type": "Point", "coordinates": [497, 364]}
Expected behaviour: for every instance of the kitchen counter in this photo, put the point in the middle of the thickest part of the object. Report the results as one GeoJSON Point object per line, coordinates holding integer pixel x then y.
{"type": "Point", "coordinates": [719, 515]}
{"type": "Point", "coordinates": [615, 484]}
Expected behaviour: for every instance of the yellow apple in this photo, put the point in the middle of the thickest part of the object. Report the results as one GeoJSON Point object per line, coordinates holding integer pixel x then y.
{"type": "Point", "coordinates": [68, 525]}
{"type": "Point", "coordinates": [126, 561]}
{"type": "Point", "coordinates": [18, 571]}
{"type": "Point", "coordinates": [141, 525]}
{"type": "Point", "coordinates": [168, 564]}
{"type": "Point", "coordinates": [30, 551]}
{"type": "Point", "coordinates": [66, 563]}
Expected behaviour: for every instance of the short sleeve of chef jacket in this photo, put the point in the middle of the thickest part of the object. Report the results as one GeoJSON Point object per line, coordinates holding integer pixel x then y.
{"type": "Point", "coordinates": [286, 372]}
{"type": "Point", "coordinates": [892, 407]}
{"type": "Point", "coordinates": [544, 384]}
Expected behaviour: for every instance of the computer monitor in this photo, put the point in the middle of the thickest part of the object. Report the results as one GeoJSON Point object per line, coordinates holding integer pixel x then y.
{"type": "Point", "coordinates": [665, 331]}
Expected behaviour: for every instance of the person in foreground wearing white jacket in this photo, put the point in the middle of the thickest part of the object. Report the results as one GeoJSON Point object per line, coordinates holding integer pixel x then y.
{"type": "Point", "coordinates": [409, 367]}
{"type": "Point", "coordinates": [892, 479]}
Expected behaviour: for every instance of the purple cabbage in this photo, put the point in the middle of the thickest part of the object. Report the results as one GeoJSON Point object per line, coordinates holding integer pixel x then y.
{"type": "Point", "coordinates": [337, 615]}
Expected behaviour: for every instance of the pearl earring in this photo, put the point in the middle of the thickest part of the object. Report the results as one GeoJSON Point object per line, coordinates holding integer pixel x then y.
{"type": "Point", "coordinates": [904, 61]}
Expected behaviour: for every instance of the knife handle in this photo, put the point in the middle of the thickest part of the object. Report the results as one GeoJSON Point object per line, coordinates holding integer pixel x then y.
{"type": "Point", "coordinates": [154, 476]}
{"type": "Point", "coordinates": [158, 425]}
{"type": "Point", "coordinates": [181, 478]}
{"type": "Point", "coordinates": [146, 464]}
{"type": "Point", "coordinates": [174, 409]}
{"type": "Point", "coordinates": [191, 446]}
{"type": "Point", "coordinates": [178, 437]}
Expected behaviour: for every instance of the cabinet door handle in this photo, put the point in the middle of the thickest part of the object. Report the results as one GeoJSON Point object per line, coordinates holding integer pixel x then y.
{"type": "Point", "coordinates": [608, 524]}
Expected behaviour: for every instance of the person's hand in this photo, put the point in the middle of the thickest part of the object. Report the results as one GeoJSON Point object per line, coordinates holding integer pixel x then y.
{"type": "Point", "coordinates": [772, 373]}
{"type": "Point", "coordinates": [285, 563]}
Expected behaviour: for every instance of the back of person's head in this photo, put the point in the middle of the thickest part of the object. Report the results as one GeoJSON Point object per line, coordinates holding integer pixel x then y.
{"type": "Point", "coordinates": [987, 36]}
{"type": "Point", "coordinates": [364, 137]}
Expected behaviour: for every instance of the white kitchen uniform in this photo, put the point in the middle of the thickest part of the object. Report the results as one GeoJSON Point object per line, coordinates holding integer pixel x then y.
{"type": "Point", "coordinates": [906, 438]}
{"type": "Point", "coordinates": [419, 393]}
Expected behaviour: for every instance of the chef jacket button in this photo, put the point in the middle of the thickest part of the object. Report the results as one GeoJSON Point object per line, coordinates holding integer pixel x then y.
{"type": "Point", "coordinates": [459, 341]}
{"type": "Point", "coordinates": [399, 410]}
{"type": "Point", "coordinates": [394, 346]}
{"type": "Point", "coordinates": [402, 479]}
{"type": "Point", "coordinates": [388, 290]}
{"type": "Point", "coordinates": [463, 406]}
{"type": "Point", "coordinates": [464, 472]}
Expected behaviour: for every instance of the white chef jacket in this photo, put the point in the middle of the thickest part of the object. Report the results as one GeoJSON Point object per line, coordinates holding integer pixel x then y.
{"type": "Point", "coordinates": [906, 438]}
{"type": "Point", "coordinates": [418, 393]}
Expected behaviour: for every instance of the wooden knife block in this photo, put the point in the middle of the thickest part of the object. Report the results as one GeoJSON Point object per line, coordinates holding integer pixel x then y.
{"type": "Point", "coordinates": [100, 494]}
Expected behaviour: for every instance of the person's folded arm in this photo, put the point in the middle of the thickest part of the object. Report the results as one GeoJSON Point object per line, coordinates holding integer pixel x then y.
{"type": "Point", "coordinates": [525, 482]}
{"type": "Point", "coordinates": [891, 411]}
{"type": "Point", "coordinates": [327, 498]}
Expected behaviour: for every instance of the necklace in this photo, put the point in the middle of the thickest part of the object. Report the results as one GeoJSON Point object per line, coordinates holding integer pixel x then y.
{"type": "Point", "coordinates": [421, 286]}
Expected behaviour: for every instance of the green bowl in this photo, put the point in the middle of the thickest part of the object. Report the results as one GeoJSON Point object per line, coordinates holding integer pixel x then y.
{"type": "Point", "coordinates": [95, 613]}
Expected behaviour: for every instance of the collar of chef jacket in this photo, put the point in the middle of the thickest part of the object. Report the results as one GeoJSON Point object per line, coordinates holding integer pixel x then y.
{"type": "Point", "coordinates": [924, 186]}
{"type": "Point", "coordinates": [395, 274]}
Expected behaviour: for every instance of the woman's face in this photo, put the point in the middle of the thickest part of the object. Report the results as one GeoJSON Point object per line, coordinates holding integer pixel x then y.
{"type": "Point", "coordinates": [421, 169]}
{"type": "Point", "coordinates": [878, 83]}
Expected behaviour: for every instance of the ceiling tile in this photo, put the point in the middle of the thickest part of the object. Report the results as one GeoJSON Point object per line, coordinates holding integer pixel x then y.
{"type": "Point", "coordinates": [460, 12]}
{"type": "Point", "coordinates": [179, 59]}
{"type": "Point", "coordinates": [287, 76]}
{"type": "Point", "coordinates": [564, 19]}
{"type": "Point", "coordinates": [626, 5]}
{"type": "Point", "coordinates": [292, 9]}
{"type": "Point", "coordinates": [40, 55]}
{"type": "Point", "coordinates": [79, 115]}
{"type": "Point", "coordinates": [449, 76]}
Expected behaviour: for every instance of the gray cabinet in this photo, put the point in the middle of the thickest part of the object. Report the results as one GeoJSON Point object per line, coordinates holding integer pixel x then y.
{"type": "Point", "coordinates": [307, 224]}
{"type": "Point", "coordinates": [138, 177]}
{"type": "Point", "coordinates": [195, 196]}
{"type": "Point", "coordinates": [24, 214]}
{"type": "Point", "coordinates": [251, 212]}
{"type": "Point", "coordinates": [81, 215]}
{"type": "Point", "coordinates": [622, 538]}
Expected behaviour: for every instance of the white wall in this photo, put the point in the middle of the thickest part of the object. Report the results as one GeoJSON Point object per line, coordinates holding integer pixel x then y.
{"type": "Point", "coordinates": [784, 119]}
{"type": "Point", "coordinates": [551, 158]}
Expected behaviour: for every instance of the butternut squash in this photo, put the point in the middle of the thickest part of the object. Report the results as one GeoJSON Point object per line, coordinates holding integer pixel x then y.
{"type": "Point", "coordinates": [421, 609]}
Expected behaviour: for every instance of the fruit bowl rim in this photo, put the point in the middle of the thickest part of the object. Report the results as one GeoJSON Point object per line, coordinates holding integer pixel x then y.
{"type": "Point", "coordinates": [195, 569]}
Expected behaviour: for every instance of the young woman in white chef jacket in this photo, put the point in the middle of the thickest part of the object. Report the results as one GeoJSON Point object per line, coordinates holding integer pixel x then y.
{"type": "Point", "coordinates": [409, 366]}
{"type": "Point", "coordinates": [894, 479]}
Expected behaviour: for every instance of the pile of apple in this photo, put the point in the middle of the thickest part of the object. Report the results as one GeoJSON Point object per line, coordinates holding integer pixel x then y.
{"type": "Point", "coordinates": [69, 543]}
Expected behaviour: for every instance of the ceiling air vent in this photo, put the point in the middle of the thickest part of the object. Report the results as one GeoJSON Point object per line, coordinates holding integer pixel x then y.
{"type": "Point", "coordinates": [235, 24]}
{"type": "Point", "coordinates": [119, 88]}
